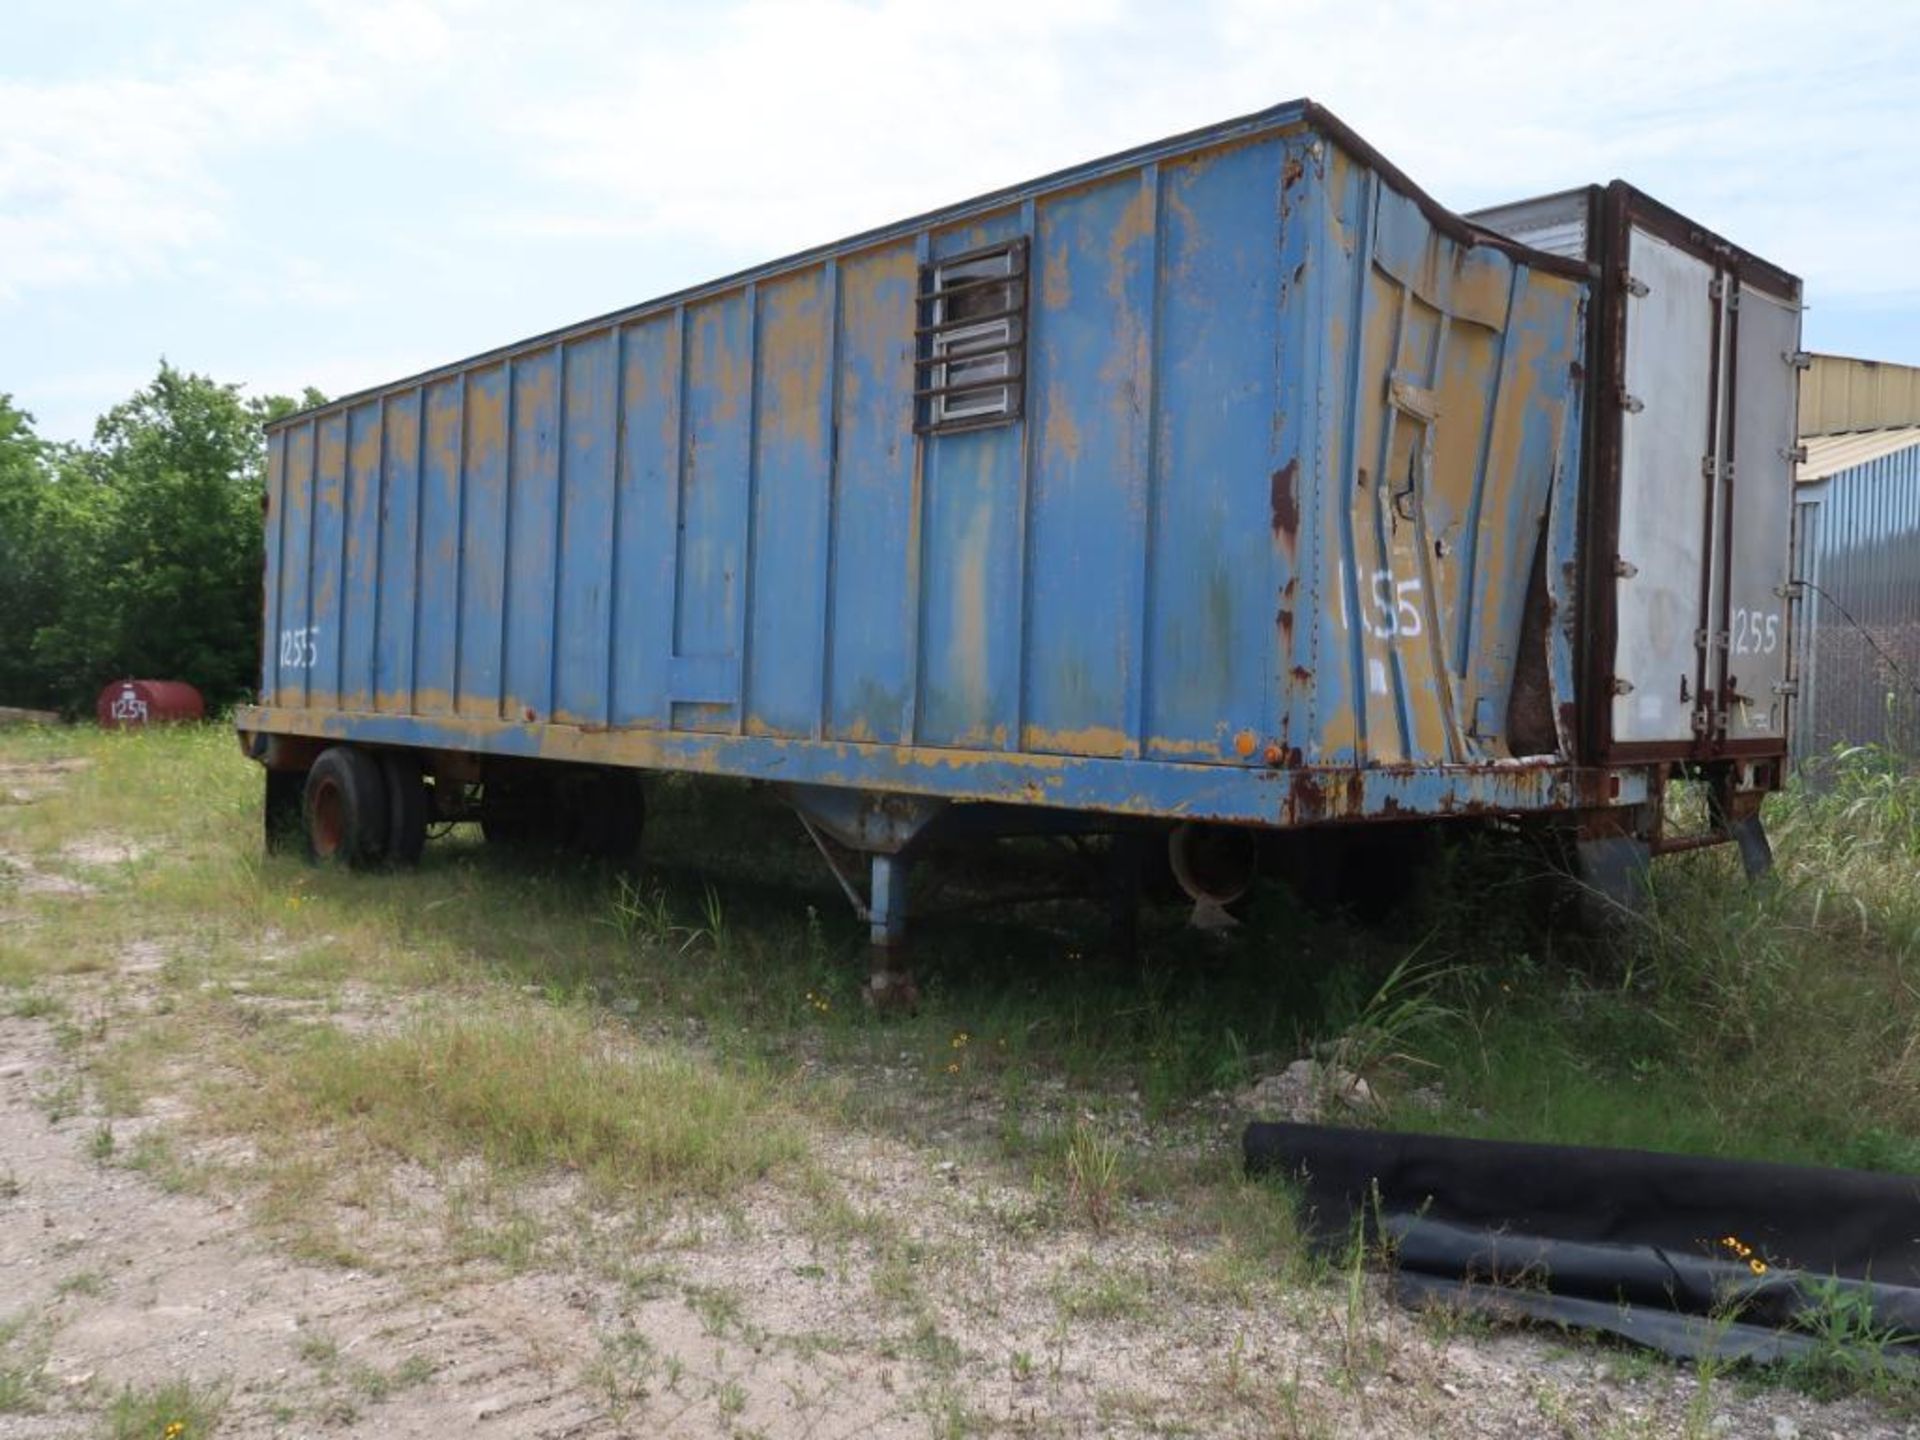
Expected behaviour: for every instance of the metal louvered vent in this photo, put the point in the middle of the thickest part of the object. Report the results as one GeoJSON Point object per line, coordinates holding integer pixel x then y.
{"type": "Point", "coordinates": [971, 336]}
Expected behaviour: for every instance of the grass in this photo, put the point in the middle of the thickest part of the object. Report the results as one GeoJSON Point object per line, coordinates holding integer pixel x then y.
{"type": "Point", "coordinates": [178, 1410]}
{"type": "Point", "coordinates": [1851, 1352]}
{"type": "Point", "coordinates": [1710, 1028]}
{"type": "Point", "coordinates": [676, 1035]}
{"type": "Point", "coordinates": [1771, 1021]}
{"type": "Point", "coordinates": [527, 1089]}
{"type": "Point", "coordinates": [1104, 1293]}
{"type": "Point", "coordinates": [1093, 1170]}
{"type": "Point", "coordinates": [23, 1352]}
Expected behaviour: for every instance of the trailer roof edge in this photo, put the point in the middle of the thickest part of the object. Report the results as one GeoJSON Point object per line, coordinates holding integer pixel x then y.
{"type": "Point", "coordinates": [1303, 112]}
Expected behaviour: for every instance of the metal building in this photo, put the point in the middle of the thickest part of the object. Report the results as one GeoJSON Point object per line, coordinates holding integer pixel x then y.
{"type": "Point", "coordinates": [1857, 554]}
{"type": "Point", "coordinates": [1840, 395]}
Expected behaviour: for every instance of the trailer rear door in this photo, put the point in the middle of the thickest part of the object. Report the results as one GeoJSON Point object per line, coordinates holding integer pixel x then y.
{"type": "Point", "coordinates": [1692, 519]}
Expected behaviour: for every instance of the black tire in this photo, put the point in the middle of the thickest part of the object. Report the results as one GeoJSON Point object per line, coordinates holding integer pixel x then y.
{"type": "Point", "coordinates": [409, 807]}
{"type": "Point", "coordinates": [281, 812]}
{"type": "Point", "coordinates": [344, 807]}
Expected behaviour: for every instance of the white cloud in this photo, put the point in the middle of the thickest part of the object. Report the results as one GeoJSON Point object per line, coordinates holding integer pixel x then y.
{"type": "Point", "coordinates": [792, 121]}
{"type": "Point", "coordinates": [309, 191]}
{"type": "Point", "coordinates": [113, 177]}
{"type": "Point", "coordinates": [798, 120]}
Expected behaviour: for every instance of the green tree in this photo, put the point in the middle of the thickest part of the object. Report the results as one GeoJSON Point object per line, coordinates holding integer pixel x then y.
{"type": "Point", "coordinates": [26, 576]}
{"type": "Point", "coordinates": [155, 531]}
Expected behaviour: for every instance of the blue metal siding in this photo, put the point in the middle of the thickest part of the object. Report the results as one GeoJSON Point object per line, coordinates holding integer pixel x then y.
{"type": "Point", "coordinates": [583, 606]}
{"type": "Point", "coordinates": [1213, 593]}
{"type": "Point", "coordinates": [530, 586]}
{"type": "Point", "coordinates": [649, 440]}
{"type": "Point", "coordinates": [792, 468]}
{"type": "Point", "coordinates": [437, 627]}
{"type": "Point", "coordinates": [1287, 451]}
{"type": "Point", "coordinates": [874, 494]}
{"type": "Point", "coordinates": [326, 564]}
{"type": "Point", "coordinates": [479, 625]}
{"type": "Point", "coordinates": [1086, 501]}
{"type": "Point", "coordinates": [399, 575]}
{"type": "Point", "coordinates": [275, 566]}
{"type": "Point", "coordinates": [1863, 554]}
{"type": "Point", "coordinates": [968, 551]}
{"type": "Point", "coordinates": [361, 596]}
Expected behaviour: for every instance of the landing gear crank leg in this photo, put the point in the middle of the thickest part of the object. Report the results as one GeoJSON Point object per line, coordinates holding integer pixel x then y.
{"type": "Point", "coordinates": [890, 987]}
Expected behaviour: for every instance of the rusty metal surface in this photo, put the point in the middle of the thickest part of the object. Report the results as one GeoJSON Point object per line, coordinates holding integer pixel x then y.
{"type": "Point", "coordinates": [1284, 528]}
{"type": "Point", "coordinates": [1145, 788]}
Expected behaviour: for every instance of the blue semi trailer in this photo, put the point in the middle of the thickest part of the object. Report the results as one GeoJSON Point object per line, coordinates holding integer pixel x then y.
{"type": "Point", "coordinates": [1226, 486]}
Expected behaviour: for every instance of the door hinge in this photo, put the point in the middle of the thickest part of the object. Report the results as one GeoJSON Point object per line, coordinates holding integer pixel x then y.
{"type": "Point", "coordinates": [1620, 686]}
{"type": "Point", "coordinates": [1631, 404]}
{"type": "Point", "coordinates": [1625, 569]}
{"type": "Point", "coordinates": [1798, 359]}
{"type": "Point", "coordinates": [1795, 453]}
{"type": "Point", "coordinates": [1635, 286]}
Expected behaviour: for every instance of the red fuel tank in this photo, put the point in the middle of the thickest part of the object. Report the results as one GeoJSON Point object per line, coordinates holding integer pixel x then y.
{"type": "Point", "coordinates": [129, 704]}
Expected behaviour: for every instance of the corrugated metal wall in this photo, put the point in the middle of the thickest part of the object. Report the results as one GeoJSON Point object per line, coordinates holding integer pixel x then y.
{"type": "Point", "coordinates": [1286, 458]}
{"type": "Point", "coordinates": [1839, 394]}
{"type": "Point", "coordinates": [1858, 550]}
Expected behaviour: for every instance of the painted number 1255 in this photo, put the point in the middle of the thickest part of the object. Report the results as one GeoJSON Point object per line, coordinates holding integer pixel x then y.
{"type": "Point", "coordinates": [299, 649]}
{"type": "Point", "coordinates": [1755, 632]}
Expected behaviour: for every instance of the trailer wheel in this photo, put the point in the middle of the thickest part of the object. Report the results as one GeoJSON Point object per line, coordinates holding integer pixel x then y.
{"type": "Point", "coordinates": [345, 808]}
{"type": "Point", "coordinates": [409, 808]}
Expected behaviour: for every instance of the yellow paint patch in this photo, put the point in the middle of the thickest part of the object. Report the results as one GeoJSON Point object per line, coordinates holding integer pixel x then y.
{"type": "Point", "coordinates": [1062, 438]}
{"type": "Point", "coordinates": [1103, 741]}
{"type": "Point", "coordinates": [486, 416]}
{"type": "Point", "coordinates": [1165, 747]}
{"type": "Point", "coordinates": [718, 367]}
{"type": "Point", "coordinates": [793, 332]}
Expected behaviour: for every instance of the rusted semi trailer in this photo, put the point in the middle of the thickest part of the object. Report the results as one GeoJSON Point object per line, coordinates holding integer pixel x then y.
{"type": "Point", "coordinates": [1224, 486]}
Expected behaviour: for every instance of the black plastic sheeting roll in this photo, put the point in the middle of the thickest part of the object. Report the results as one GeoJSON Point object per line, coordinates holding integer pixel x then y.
{"type": "Point", "coordinates": [1684, 1254]}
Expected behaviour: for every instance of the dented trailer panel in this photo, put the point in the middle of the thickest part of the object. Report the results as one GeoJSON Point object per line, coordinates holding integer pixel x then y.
{"type": "Point", "coordinates": [1281, 525]}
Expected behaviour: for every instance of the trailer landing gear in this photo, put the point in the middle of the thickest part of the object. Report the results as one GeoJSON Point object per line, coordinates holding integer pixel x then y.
{"type": "Point", "coordinates": [1612, 871]}
{"type": "Point", "coordinates": [890, 986]}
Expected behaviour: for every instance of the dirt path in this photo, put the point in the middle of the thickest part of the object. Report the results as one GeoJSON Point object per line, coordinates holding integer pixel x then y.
{"type": "Point", "coordinates": [132, 1286]}
{"type": "Point", "coordinates": [128, 1285]}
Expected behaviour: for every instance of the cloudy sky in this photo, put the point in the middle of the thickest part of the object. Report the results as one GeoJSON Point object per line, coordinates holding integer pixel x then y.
{"type": "Point", "coordinates": [338, 194]}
